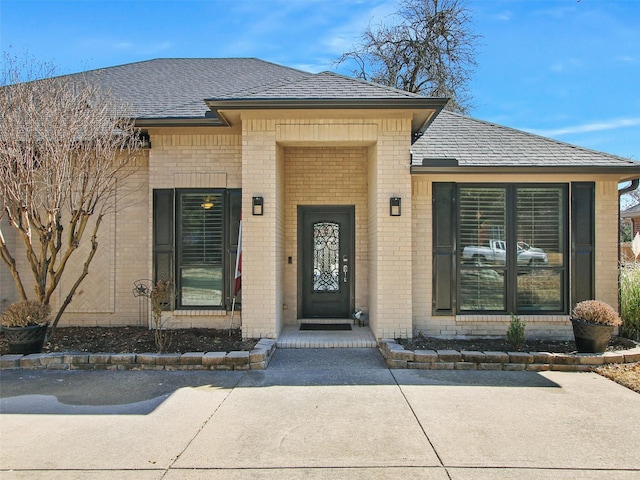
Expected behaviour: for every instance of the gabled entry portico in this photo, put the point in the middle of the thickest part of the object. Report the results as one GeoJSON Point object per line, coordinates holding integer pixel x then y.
{"type": "Point", "coordinates": [315, 144]}
{"type": "Point", "coordinates": [305, 170]}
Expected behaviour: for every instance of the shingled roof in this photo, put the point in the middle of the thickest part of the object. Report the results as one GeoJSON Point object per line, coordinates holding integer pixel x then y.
{"type": "Point", "coordinates": [454, 140]}
{"type": "Point", "coordinates": [177, 87]}
{"type": "Point", "coordinates": [631, 212]}
{"type": "Point", "coordinates": [192, 91]}
{"type": "Point", "coordinates": [325, 85]}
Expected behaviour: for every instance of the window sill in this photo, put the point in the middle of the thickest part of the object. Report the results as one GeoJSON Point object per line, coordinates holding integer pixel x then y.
{"type": "Point", "coordinates": [199, 313]}
{"type": "Point", "coordinates": [485, 318]}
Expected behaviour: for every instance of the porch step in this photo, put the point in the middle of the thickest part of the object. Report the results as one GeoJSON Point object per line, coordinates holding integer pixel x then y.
{"type": "Point", "coordinates": [358, 337]}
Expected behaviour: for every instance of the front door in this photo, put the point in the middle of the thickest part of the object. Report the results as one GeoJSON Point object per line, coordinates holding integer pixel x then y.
{"type": "Point", "coordinates": [325, 261]}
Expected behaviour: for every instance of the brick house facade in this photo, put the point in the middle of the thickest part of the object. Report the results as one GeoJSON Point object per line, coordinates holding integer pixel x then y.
{"type": "Point", "coordinates": [326, 155]}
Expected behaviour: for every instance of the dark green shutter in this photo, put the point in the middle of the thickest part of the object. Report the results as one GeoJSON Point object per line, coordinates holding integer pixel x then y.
{"type": "Point", "coordinates": [163, 231]}
{"type": "Point", "coordinates": [444, 227]}
{"type": "Point", "coordinates": [582, 241]}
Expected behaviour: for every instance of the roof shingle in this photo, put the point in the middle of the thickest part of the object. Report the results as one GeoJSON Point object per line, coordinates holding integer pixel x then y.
{"type": "Point", "coordinates": [177, 87]}
{"type": "Point", "coordinates": [477, 143]}
{"type": "Point", "coordinates": [325, 85]}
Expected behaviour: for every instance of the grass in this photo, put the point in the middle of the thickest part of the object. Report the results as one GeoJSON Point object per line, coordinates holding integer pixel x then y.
{"type": "Point", "coordinates": [627, 374]}
{"type": "Point", "coordinates": [630, 300]}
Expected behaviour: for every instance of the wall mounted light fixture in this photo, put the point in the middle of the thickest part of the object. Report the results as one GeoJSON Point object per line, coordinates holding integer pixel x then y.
{"type": "Point", "coordinates": [257, 206]}
{"type": "Point", "coordinates": [395, 206]}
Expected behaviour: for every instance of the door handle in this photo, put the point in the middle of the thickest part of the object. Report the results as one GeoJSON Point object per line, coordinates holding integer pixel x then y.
{"type": "Point", "coordinates": [345, 269]}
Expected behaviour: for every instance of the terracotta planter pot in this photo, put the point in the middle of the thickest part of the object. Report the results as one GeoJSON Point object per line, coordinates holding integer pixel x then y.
{"type": "Point", "coordinates": [591, 337]}
{"type": "Point", "coordinates": [25, 340]}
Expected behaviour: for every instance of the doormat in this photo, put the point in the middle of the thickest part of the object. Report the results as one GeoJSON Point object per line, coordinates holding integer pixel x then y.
{"type": "Point", "coordinates": [325, 326]}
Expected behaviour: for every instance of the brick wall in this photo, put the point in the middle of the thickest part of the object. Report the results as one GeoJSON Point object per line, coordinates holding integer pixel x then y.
{"type": "Point", "coordinates": [356, 160]}
{"type": "Point", "coordinates": [176, 160]}
{"type": "Point", "coordinates": [391, 248]}
{"type": "Point", "coordinates": [307, 161]}
{"type": "Point", "coordinates": [184, 160]}
{"type": "Point", "coordinates": [261, 274]}
{"type": "Point", "coordinates": [537, 325]}
{"type": "Point", "coordinates": [8, 292]}
{"type": "Point", "coordinates": [324, 176]}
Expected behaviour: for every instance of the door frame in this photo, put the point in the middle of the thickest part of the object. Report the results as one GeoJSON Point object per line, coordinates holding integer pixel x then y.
{"type": "Point", "coordinates": [351, 242]}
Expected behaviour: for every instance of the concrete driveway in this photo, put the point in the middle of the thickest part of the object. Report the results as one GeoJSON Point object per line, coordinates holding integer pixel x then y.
{"type": "Point", "coordinates": [330, 413]}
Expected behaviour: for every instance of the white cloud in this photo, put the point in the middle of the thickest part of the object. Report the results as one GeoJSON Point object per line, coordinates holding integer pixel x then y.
{"type": "Point", "coordinates": [345, 35]}
{"type": "Point", "coordinates": [504, 16]}
{"type": "Point", "coordinates": [612, 124]}
{"type": "Point", "coordinates": [566, 65]}
{"type": "Point", "coordinates": [123, 45]}
{"type": "Point", "coordinates": [626, 59]}
{"type": "Point", "coordinates": [144, 48]}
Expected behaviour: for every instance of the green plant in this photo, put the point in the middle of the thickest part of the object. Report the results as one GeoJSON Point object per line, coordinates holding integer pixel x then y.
{"type": "Point", "coordinates": [160, 294]}
{"type": "Point", "coordinates": [515, 332]}
{"type": "Point", "coordinates": [595, 311]}
{"type": "Point", "coordinates": [25, 313]}
{"type": "Point", "coordinates": [630, 300]}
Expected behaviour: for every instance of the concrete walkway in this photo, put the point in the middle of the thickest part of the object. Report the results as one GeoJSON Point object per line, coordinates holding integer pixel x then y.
{"type": "Point", "coordinates": [317, 414]}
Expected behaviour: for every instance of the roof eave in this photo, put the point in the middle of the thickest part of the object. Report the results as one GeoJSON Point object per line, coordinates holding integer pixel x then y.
{"type": "Point", "coordinates": [325, 103]}
{"type": "Point", "coordinates": [626, 172]}
{"type": "Point", "coordinates": [181, 122]}
{"type": "Point", "coordinates": [433, 105]}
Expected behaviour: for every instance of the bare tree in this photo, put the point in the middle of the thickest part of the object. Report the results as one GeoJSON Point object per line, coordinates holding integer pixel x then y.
{"type": "Point", "coordinates": [632, 198]}
{"type": "Point", "coordinates": [65, 146]}
{"type": "Point", "coordinates": [429, 50]}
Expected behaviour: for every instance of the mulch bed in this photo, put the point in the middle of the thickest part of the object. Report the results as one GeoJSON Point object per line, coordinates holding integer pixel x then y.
{"type": "Point", "coordinates": [500, 345]}
{"type": "Point", "coordinates": [140, 340]}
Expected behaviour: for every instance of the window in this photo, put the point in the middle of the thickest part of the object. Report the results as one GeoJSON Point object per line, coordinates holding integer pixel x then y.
{"type": "Point", "coordinates": [512, 248]}
{"type": "Point", "coordinates": [507, 251]}
{"type": "Point", "coordinates": [195, 244]}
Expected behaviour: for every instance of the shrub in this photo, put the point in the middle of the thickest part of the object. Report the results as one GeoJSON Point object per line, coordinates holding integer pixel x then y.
{"type": "Point", "coordinates": [630, 300]}
{"type": "Point", "coordinates": [25, 313]}
{"type": "Point", "coordinates": [595, 311]}
{"type": "Point", "coordinates": [160, 295]}
{"type": "Point", "coordinates": [515, 332]}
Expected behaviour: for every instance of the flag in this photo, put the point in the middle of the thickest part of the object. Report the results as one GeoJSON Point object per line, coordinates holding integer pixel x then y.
{"type": "Point", "coordinates": [238, 276]}
{"type": "Point", "coordinates": [635, 245]}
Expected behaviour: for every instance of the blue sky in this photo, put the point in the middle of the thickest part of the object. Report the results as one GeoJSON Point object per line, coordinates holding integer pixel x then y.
{"type": "Point", "coordinates": [566, 69]}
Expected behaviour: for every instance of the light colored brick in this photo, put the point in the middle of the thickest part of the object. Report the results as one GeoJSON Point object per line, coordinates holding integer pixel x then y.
{"type": "Point", "coordinates": [237, 358]}
{"type": "Point", "coordinates": [496, 357]}
{"type": "Point", "coordinates": [466, 366]}
{"type": "Point", "coordinates": [632, 355]}
{"type": "Point", "coordinates": [473, 356]}
{"type": "Point", "coordinates": [10, 361]}
{"type": "Point", "coordinates": [425, 356]}
{"type": "Point", "coordinates": [213, 358]}
{"type": "Point", "coordinates": [449, 355]}
{"type": "Point", "coordinates": [191, 358]}
{"type": "Point", "coordinates": [520, 357]}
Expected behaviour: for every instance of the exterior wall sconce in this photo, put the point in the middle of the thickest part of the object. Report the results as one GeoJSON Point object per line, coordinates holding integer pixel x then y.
{"type": "Point", "coordinates": [257, 206]}
{"type": "Point", "coordinates": [395, 206]}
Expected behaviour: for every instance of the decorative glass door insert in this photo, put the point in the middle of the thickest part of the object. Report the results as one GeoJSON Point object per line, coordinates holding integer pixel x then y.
{"type": "Point", "coordinates": [326, 261]}
{"type": "Point", "coordinates": [326, 257]}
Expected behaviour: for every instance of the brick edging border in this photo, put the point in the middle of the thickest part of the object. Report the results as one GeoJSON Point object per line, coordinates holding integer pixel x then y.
{"type": "Point", "coordinates": [256, 359]}
{"type": "Point", "coordinates": [397, 357]}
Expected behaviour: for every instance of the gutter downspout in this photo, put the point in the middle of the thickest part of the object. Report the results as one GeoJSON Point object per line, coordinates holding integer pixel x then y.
{"type": "Point", "coordinates": [630, 188]}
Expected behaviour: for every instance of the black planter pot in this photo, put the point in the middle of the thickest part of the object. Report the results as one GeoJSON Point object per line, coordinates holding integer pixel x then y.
{"type": "Point", "coordinates": [591, 337]}
{"type": "Point", "coordinates": [25, 340]}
